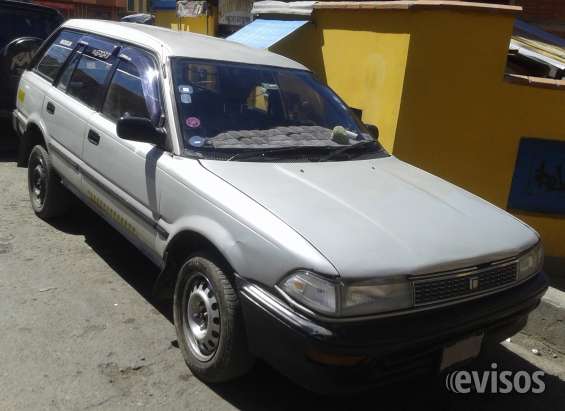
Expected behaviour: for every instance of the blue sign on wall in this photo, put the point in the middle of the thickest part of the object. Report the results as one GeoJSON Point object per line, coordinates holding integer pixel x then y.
{"type": "Point", "coordinates": [539, 177]}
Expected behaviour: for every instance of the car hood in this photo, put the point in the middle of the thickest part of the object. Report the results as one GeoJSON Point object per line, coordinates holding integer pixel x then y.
{"type": "Point", "coordinates": [380, 217]}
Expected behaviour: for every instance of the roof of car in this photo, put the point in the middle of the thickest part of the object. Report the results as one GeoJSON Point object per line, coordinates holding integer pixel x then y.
{"type": "Point", "coordinates": [183, 44]}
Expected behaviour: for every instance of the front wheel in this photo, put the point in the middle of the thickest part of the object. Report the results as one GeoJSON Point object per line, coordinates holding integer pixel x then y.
{"type": "Point", "coordinates": [208, 321]}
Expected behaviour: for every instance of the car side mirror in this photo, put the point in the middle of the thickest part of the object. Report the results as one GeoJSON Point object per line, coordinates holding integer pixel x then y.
{"type": "Point", "coordinates": [140, 129]}
{"type": "Point", "coordinates": [374, 130]}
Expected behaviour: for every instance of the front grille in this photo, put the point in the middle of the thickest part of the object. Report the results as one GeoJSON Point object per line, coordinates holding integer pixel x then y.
{"type": "Point", "coordinates": [452, 287]}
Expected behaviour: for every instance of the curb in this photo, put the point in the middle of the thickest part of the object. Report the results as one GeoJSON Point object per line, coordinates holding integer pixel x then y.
{"type": "Point", "coordinates": [547, 322]}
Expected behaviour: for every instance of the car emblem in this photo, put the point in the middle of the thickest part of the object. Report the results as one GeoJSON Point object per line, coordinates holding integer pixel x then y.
{"type": "Point", "coordinates": [473, 283]}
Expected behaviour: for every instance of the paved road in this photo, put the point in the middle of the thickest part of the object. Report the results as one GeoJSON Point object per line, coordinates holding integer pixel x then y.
{"type": "Point", "coordinates": [79, 330]}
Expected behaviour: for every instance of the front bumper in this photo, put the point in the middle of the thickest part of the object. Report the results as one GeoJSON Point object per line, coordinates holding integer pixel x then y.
{"type": "Point", "coordinates": [387, 349]}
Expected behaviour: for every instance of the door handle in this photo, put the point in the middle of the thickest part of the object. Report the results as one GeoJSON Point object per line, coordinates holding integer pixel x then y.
{"type": "Point", "coordinates": [93, 137]}
{"type": "Point", "coordinates": [50, 108]}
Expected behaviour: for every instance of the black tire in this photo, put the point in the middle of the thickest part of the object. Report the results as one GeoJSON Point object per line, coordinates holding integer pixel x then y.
{"type": "Point", "coordinates": [47, 195]}
{"type": "Point", "coordinates": [230, 357]}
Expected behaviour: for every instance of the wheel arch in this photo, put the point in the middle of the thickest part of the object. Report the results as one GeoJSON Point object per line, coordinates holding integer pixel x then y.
{"type": "Point", "coordinates": [183, 244]}
{"type": "Point", "coordinates": [187, 242]}
{"type": "Point", "coordinates": [33, 135]}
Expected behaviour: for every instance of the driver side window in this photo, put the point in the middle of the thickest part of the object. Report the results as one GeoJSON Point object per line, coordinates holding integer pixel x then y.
{"type": "Point", "coordinates": [134, 89]}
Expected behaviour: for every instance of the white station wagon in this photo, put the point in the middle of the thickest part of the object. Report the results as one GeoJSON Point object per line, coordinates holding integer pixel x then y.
{"type": "Point", "coordinates": [283, 229]}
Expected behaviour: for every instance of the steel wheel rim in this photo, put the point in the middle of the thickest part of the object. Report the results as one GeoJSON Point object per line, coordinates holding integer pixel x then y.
{"type": "Point", "coordinates": [201, 318]}
{"type": "Point", "coordinates": [38, 182]}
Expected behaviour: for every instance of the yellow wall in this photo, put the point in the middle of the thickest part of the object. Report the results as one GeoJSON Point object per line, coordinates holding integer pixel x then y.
{"type": "Point", "coordinates": [363, 65]}
{"type": "Point", "coordinates": [459, 117]}
{"type": "Point", "coordinates": [139, 6]}
{"type": "Point", "coordinates": [433, 81]}
{"type": "Point", "coordinates": [202, 25]}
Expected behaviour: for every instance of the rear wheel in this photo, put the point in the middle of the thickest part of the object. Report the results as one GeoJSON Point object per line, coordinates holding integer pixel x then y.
{"type": "Point", "coordinates": [209, 322]}
{"type": "Point", "coordinates": [47, 195]}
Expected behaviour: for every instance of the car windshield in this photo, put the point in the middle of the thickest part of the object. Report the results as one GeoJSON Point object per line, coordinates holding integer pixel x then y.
{"type": "Point", "coordinates": [256, 113]}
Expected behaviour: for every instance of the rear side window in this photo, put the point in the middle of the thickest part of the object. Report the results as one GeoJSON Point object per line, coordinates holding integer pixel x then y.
{"type": "Point", "coordinates": [134, 89]}
{"type": "Point", "coordinates": [57, 54]}
{"type": "Point", "coordinates": [87, 81]}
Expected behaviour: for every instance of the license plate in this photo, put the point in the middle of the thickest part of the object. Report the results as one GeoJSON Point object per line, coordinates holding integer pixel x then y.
{"type": "Point", "coordinates": [461, 351]}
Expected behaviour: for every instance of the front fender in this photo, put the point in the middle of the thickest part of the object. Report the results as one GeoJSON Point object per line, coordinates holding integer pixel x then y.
{"type": "Point", "coordinates": [257, 244]}
{"type": "Point", "coordinates": [209, 229]}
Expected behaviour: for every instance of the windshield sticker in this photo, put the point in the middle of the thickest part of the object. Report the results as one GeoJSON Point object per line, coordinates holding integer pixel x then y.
{"type": "Point", "coordinates": [125, 57]}
{"type": "Point", "coordinates": [193, 122]}
{"type": "Point", "coordinates": [186, 89]}
{"type": "Point", "coordinates": [270, 86]}
{"type": "Point", "coordinates": [66, 43]}
{"type": "Point", "coordinates": [197, 141]}
{"type": "Point", "coordinates": [185, 98]}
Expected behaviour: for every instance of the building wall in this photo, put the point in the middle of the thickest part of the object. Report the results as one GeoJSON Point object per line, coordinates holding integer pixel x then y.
{"type": "Point", "coordinates": [202, 25]}
{"type": "Point", "coordinates": [363, 65]}
{"type": "Point", "coordinates": [433, 80]}
{"type": "Point", "coordinates": [543, 9]}
{"type": "Point", "coordinates": [96, 9]}
{"type": "Point", "coordinates": [462, 120]}
{"type": "Point", "coordinates": [550, 14]}
{"type": "Point", "coordinates": [137, 6]}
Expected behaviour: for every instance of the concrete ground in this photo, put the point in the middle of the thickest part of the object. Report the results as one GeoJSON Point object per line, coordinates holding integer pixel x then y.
{"type": "Point", "coordinates": [79, 330]}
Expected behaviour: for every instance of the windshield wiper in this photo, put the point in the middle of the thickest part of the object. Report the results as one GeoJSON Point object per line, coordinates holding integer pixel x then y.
{"type": "Point", "coordinates": [267, 153]}
{"type": "Point", "coordinates": [345, 149]}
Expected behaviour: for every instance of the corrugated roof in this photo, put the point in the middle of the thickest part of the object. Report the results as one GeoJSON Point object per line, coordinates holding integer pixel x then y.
{"type": "Point", "coordinates": [532, 42]}
{"type": "Point", "coordinates": [262, 33]}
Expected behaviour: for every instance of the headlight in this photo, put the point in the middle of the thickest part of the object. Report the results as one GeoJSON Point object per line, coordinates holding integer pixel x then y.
{"type": "Point", "coordinates": [327, 297]}
{"type": "Point", "coordinates": [530, 263]}
{"type": "Point", "coordinates": [312, 291]}
{"type": "Point", "coordinates": [377, 298]}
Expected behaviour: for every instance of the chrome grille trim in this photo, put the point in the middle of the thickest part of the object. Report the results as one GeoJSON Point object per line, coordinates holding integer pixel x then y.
{"type": "Point", "coordinates": [463, 283]}
{"type": "Point", "coordinates": [465, 270]}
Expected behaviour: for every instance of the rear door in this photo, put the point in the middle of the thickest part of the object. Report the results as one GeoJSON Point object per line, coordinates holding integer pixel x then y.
{"type": "Point", "coordinates": [78, 93]}
{"type": "Point", "coordinates": [122, 173]}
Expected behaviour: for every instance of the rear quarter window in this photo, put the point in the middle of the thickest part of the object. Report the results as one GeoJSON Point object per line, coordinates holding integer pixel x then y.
{"type": "Point", "coordinates": [57, 54]}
